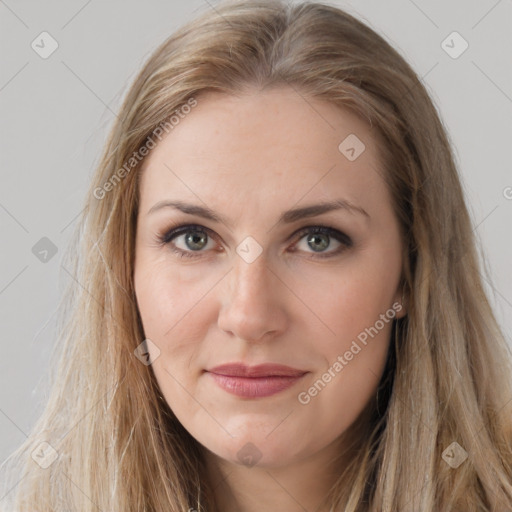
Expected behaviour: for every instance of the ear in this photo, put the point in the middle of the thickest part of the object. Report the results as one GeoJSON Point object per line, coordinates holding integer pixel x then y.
{"type": "Point", "coordinates": [400, 301]}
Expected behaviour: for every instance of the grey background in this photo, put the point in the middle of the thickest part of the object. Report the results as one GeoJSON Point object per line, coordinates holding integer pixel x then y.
{"type": "Point", "coordinates": [55, 114]}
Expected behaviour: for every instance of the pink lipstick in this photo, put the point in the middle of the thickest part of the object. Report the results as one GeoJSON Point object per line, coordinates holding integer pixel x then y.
{"type": "Point", "coordinates": [255, 381]}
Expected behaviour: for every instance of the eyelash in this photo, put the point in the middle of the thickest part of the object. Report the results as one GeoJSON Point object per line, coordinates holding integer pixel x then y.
{"type": "Point", "coordinates": [175, 231]}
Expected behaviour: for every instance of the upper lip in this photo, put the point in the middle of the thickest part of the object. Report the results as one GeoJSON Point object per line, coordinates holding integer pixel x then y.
{"type": "Point", "coordinates": [261, 370]}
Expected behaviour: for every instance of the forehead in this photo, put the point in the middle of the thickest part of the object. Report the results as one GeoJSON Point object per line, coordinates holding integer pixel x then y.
{"type": "Point", "coordinates": [275, 144]}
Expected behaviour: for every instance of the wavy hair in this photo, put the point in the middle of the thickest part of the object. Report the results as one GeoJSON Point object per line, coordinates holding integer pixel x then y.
{"type": "Point", "coordinates": [119, 447]}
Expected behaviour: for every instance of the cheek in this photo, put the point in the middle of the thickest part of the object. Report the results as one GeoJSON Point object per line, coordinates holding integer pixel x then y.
{"type": "Point", "coordinates": [362, 325]}
{"type": "Point", "coordinates": [163, 303]}
{"type": "Point", "coordinates": [175, 313]}
{"type": "Point", "coordinates": [350, 298]}
{"type": "Point", "coordinates": [355, 302]}
{"type": "Point", "coordinates": [338, 392]}
{"type": "Point", "coordinates": [337, 397]}
{"type": "Point", "coordinates": [167, 294]}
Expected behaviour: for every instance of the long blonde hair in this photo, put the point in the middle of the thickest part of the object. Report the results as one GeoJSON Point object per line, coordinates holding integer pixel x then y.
{"type": "Point", "coordinates": [447, 387]}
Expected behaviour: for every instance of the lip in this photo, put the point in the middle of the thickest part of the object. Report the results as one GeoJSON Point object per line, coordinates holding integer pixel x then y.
{"type": "Point", "coordinates": [255, 381]}
{"type": "Point", "coordinates": [260, 370]}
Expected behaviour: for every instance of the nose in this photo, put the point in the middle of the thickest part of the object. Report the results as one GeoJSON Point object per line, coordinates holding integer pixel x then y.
{"type": "Point", "coordinates": [253, 306]}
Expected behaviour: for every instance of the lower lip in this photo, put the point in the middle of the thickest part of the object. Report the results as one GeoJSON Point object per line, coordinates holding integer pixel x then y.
{"type": "Point", "coordinates": [254, 387]}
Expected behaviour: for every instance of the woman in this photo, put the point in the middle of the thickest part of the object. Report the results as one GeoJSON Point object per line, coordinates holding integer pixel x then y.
{"type": "Point", "coordinates": [280, 303]}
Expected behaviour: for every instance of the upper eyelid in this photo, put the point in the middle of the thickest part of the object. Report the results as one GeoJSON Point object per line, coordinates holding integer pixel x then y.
{"type": "Point", "coordinates": [179, 230]}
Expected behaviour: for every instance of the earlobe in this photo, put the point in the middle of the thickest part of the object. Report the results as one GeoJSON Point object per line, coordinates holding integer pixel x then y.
{"type": "Point", "coordinates": [400, 304]}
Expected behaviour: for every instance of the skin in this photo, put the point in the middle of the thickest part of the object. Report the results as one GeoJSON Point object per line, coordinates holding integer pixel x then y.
{"type": "Point", "coordinates": [249, 158]}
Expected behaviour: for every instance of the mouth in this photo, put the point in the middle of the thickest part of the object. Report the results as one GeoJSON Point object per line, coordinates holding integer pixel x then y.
{"type": "Point", "coordinates": [255, 381]}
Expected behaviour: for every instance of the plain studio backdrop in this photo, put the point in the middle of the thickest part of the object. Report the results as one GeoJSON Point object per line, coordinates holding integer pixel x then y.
{"type": "Point", "coordinates": [66, 65]}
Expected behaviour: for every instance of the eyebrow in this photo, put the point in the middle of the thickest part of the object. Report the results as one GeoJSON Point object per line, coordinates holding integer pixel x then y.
{"type": "Point", "coordinates": [286, 217]}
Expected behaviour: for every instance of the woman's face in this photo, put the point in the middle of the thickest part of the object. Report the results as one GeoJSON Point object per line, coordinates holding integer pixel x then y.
{"type": "Point", "coordinates": [260, 286]}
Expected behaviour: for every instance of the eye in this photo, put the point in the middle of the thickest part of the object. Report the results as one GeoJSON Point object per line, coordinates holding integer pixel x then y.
{"type": "Point", "coordinates": [196, 238]}
{"type": "Point", "coordinates": [319, 238]}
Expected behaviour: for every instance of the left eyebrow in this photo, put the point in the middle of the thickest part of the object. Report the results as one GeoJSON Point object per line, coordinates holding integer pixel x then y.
{"type": "Point", "coordinates": [286, 217]}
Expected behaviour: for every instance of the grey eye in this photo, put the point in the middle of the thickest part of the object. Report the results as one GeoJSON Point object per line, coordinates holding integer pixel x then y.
{"type": "Point", "coordinates": [318, 241]}
{"type": "Point", "coordinates": [195, 239]}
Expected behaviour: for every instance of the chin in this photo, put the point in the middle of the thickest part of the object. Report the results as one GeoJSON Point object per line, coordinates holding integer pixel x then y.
{"type": "Point", "coordinates": [256, 450]}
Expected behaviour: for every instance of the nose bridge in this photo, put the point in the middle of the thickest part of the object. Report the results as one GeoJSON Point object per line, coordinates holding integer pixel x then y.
{"type": "Point", "coordinates": [250, 306]}
{"type": "Point", "coordinates": [250, 281]}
